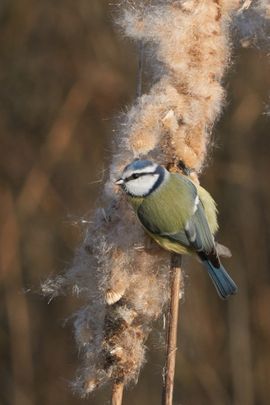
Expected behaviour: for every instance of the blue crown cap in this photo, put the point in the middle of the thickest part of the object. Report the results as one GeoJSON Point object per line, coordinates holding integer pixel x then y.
{"type": "Point", "coordinates": [138, 164]}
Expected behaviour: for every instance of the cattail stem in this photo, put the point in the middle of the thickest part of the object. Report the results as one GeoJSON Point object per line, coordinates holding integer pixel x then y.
{"type": "Point", "coordinates": [167, 392]}
{"type": "Point", "coordinates": [140, 70]}
{"type": "Point", "coordinates": [117, 394]}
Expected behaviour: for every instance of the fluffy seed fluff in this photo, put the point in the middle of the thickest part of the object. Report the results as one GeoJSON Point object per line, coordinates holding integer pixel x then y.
{"type": "Point", "coordinates": [117, 271]}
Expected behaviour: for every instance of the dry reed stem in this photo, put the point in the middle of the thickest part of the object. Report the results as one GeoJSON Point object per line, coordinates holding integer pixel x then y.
{"type": "Point", "coordinates": [57, 141]}
{"type": "Point", "coordinates": [140, 70]}
{"type": "Point", "coordinates": [171, 346]}
{"type": "Point", "coordinates": [18, 316]}
{"type": "Point", "coordinates": [117, 394]}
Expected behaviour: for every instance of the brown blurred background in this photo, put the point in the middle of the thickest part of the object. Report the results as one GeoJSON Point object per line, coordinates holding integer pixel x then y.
{"type": "Point", "coordinates": [65, 75]}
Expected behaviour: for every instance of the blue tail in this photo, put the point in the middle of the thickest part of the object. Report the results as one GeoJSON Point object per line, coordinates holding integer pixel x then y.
{"type": "Point", "coordinates": [225, 286]}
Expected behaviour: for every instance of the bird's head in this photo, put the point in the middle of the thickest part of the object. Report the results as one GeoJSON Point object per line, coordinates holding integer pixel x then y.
{"type": "Point", "coordinates": [142, 177]}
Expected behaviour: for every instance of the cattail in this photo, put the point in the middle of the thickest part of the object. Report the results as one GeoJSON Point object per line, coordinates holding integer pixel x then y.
{"type": "Point", "coordinates": [119, 273]}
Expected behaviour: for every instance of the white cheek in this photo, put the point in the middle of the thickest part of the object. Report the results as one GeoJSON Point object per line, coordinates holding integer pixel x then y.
{"type": "Point", "coordinates": [142, 185]}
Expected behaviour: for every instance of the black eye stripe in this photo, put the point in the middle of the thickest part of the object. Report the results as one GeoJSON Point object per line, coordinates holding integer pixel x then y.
{"type": "Point", "coordinates": [137, 175]}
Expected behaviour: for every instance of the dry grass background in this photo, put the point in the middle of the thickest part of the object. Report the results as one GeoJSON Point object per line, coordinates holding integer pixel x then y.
{"type": "Point", "coordinates": [64, 76]}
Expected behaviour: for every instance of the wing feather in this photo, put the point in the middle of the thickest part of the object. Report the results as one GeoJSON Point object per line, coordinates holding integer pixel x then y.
{"type": "Point", "coordinates": [175, 213]}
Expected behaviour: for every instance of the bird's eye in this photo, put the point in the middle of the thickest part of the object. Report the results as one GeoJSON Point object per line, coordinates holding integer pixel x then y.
{"type": "Point", "coordinates": [135, 176]}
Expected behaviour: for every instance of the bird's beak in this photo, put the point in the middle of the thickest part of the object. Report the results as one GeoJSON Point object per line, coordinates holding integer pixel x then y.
{"type": "Point", "coordinates": [119, 182]}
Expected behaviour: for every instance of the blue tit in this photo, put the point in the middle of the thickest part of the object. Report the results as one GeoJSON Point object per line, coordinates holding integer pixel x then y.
{"type": "Point", "coordinates": [180, 216]}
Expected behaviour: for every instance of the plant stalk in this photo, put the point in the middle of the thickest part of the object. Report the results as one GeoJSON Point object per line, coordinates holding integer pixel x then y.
{"type": "Point", "coordinates": [117, 394]}
{"type": "Point", "coordinates": [171, 346]}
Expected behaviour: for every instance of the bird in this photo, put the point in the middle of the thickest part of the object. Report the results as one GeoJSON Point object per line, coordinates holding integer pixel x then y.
{"type": "Point", "coordinates": [178, 214]}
